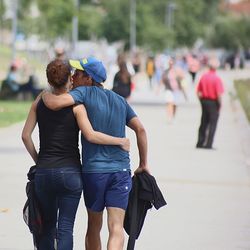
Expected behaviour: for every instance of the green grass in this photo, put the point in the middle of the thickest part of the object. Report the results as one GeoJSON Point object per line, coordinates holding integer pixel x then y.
{"type": "Point", "coordinates": [243, 92]}
{"type": "Point", "coordinates": [13, 112]}
{"type": "Point", "coordinates": [5, 59]}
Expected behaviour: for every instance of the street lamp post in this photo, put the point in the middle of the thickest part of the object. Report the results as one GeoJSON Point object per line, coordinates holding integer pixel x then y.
{"type": "Point", "coordinates": [75, 27]}
{"type": "Point", "coordinates": [14, 27]}
{"type": "Point", "coordinates": [132, 26]}
{"type": "Point", "coordinates": [169, 18]}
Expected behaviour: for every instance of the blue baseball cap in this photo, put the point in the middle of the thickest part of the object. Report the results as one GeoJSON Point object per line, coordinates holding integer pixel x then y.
{"type": "Point", "coordinates": [92, 66]}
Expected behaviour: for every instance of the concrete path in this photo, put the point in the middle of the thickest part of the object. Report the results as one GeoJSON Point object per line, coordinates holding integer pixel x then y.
{"type": "Point", "coordinates": [207, 190]}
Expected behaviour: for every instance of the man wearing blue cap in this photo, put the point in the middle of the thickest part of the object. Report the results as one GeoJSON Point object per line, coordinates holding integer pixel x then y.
{"type": "Point", "coordinates": [106, 169]}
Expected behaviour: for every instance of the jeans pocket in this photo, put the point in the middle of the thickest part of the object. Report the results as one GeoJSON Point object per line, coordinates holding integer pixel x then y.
{"type": "Point", "coordinates": [72, 181]}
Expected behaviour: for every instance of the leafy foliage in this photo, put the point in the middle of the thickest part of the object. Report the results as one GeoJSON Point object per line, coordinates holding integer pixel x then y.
{"type": "Point", "coordinates": [90, 19]}
{"type": "Point", "coordinates": [110, 19]}
{"type": "Point", "coordinates": [56, 17]}
{"type": "Point", "coordinates": [231, 33]}
{"type": "Point", "coordinates": [115, 25]}
{"type": "Point", "coordinates": [2, 11]}
{"type": "Point", "coordinates": [2, 8]}
{"type": "Point", "coordinates": [147, 34]}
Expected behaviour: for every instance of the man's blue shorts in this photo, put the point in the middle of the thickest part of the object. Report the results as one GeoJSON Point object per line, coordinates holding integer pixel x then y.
{"type": "Point", "coordinates": [106, 190]}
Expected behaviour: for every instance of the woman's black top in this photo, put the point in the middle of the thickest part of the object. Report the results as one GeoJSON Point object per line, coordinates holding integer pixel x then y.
{"type": "Point", "coordinates": [58, 133]}
{"type": "Point", "coordinates": [121, 88]}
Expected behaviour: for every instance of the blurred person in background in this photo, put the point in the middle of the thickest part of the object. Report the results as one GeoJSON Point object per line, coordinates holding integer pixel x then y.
{"type": "Point", "coordinates": [13, 78]}
{"type": "Point", "coordinates": [181, 62]}
{"type": "Point", "coordinates": [136, 62]}
{"type": "Point", "coordinates": [20, 80]}
{"type": "Point", "coordinates": [161, 63]}
{"type": "Point", "coordinates": [171, 79]}
{"type": "Point", "coordinates": [209, 91]}
{"type": "Point", "coordinates": [150, 69]}
{"type": "Point", "coordinates": [193, 65]}
{"type": "Point", "coordinates": [60, 53]}
{"type": "Point", "coordinates": [122, 80]}
{"type": "Point", "coordinates": [58, 179]}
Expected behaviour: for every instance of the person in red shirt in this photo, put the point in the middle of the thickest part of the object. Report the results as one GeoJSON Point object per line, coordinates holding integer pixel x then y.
{"type": "Point", "coordinates": [209, 91]}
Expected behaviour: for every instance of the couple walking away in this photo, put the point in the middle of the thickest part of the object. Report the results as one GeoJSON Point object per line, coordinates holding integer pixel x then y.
{"type": "Point", "coordinates": [104, 174]}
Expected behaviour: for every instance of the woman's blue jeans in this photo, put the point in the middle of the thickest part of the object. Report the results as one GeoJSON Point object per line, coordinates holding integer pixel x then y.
{"type": "Point", "coordinates": [59, 191]}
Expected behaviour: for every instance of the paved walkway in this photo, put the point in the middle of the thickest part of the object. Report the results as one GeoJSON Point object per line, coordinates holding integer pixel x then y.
{"type": "Point", "coordinates": [207, 191]}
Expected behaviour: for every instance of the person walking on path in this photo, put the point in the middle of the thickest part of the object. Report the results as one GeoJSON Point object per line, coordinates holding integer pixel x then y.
{"type": "Point", "coordinates": [122, 80]}
{"type": "Point", "coordinates": [193, 66]}
{"type": "Point", "coordinates": [58, 180]}
{"type": "Point", "coordinates": [171, 79]}
{"type": "Point", "coordinates": [209, 90]}
{"type": "Point", "coordinates": [106, 169]}
{"type": "Point", "coordinates": [150, 69]}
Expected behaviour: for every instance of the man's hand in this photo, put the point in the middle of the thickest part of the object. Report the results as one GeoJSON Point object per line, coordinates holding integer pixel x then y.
{"type": "Point", "coordinates": [125, 145]}
{"type": "Point", "coordinates": [141, 169]}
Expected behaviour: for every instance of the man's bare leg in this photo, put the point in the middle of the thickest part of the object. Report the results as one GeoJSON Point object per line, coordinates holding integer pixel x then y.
{"type": "Point", "coordinates": [115, 226]}
{"type": "Point", "coordinates": [93, 239]}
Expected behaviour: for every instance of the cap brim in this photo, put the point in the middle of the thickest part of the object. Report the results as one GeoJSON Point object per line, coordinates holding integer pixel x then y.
{"type": "Point", "coordinates": [76, 64]}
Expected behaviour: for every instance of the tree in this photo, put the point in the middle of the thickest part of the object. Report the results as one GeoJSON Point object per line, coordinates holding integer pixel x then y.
{"type": "Point", "coordinates": [2, 11]}
{"type": "Point", "coordinates": [152, 33]}
{"type": "Point", "coordinates": [23, 8]}
{"type": "Point", "coordinates": [189, 21]}
{"type": "Point", "coordinates": [56, 18]}
{"type": "Point", "coordinates": [230, 33]}
{"type": "Point", "coordinates": [115, 25]}
{"type": "Point", "coordinates": [2, 8]}
{"type": "Point", "coordinates": [90, 22]}
{"type": "Point", "coordinates": [110, 19]}
{"type": "Point", "coordinates": [27, 24]}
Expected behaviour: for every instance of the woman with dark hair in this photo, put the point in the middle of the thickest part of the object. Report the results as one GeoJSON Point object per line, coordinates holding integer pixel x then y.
{"type": "Point", "coordinates": [122, 81]}
{"type": "Point", "coordinates": [58, 181]}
